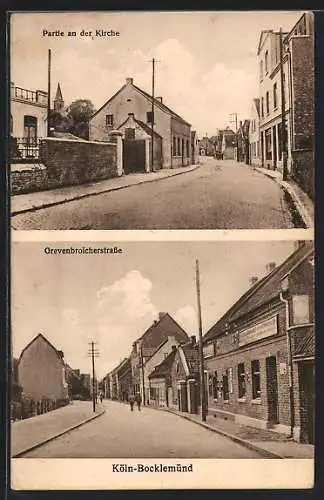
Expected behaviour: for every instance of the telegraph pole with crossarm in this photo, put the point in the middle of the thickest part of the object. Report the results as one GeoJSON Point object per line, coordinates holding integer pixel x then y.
{"type": "Point", "coordinates": [93, 353]}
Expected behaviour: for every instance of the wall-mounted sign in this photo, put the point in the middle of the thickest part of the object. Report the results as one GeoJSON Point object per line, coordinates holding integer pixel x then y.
{"type": "Point", "coordinates": [209, 350]}
{"type": "Point", "coordinates": [259, 331]}
{"type": "Point", "coordinates": [283, 368]}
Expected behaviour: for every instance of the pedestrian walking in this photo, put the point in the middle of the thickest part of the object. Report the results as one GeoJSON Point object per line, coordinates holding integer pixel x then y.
{"type": "Point", "coordinates": [101, 397]}
{"type": "Point", "coordinates": [131, 401]}
{"type": "Point", "coordinates": [138, 400]}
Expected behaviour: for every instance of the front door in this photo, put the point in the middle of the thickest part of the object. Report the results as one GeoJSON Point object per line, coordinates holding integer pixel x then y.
{"type": "Point", "coordinates": [133, 156]}
{"type": "Point", "coordinates": [274, 135]}
{"type": "Point", "coordinates": [307, 401]}
{"type": "Point", "coordinates": [272, 389]}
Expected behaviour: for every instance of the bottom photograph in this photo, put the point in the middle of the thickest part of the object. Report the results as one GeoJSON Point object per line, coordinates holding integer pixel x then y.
{"type": "Point", "coordinates": [164, 350]}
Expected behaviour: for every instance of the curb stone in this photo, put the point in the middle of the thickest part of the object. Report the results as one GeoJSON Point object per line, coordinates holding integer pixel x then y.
{"type": "Point", "coordinates": [54, 436]}
{"type": "Point", "coordinates": [34, 208]}
{"type": "Point", "coordinates": [243, 442]}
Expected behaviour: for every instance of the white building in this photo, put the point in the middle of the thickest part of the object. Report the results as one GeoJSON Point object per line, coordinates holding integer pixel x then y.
{"type": "Point", "coordinates": [254, 133]}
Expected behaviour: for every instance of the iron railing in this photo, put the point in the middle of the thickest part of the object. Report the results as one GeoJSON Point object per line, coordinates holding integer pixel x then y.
{"type": "Point", "coordinates": [24, 149]}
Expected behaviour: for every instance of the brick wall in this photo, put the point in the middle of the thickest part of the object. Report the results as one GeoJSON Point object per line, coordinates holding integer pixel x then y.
{"type": "Point", "coordinates": [302, 61]}
{"type": "Point", "coordinates": [66, 163]}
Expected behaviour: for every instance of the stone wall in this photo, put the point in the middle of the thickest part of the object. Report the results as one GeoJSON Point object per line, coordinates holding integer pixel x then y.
{"type": "Point", "coordinates": [65, 162]}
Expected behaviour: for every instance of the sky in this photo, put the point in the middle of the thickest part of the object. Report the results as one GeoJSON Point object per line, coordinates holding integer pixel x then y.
{"type": "Point", "coordinates": [207, 63]}
{"type": "Point", "coordinates": [113, 299]}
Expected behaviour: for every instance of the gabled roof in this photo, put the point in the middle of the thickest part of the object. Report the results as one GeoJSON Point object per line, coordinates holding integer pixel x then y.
{"type": "Point", "coordinates": [163, 369]}
{"type": "Point", "coordinates": [143, 125]}
{"type": "Point", "coordinates": [41, 336]}
{"type": "Point", "coordinates": [157, 103]}
{"type": "Point", "coordinates": [263, 36]}
{"type": "Point", "coordinates": [190, 352]}
{"type": "Point", "coordinates": [166, 325]}
{"type": "Point", "coordinates": [263, 291]}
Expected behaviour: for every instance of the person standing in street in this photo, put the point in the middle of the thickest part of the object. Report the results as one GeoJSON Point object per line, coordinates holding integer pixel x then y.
{"type": "Point", "coordinates": [138, 400]}
{"type": "Point", "coordinates": [131, 401]}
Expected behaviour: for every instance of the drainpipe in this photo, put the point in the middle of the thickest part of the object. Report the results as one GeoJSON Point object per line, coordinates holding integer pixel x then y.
{"type": "Point", "coordinates": [290, 374]}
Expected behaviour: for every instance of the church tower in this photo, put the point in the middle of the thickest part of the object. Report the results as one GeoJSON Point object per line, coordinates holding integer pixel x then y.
{"type": "Point", "coordinates": [58, 101]}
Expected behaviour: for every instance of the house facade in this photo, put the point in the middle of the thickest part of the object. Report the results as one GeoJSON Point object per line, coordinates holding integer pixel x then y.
{"type": "Point", "coordinates": [248, 358]}
{"type": "Point", "coordinates": [174, 131]}
{"type": "Point", "coordinates": [242, 151]}
{"type": "Point", "coordinates": [28, 121]}
{"type": "Point", "coordinates": [254, 133]}
{"type": "Point", "coordinates": [228, 144]}
{"type": "Point", "coordinates": [42, 371]}
{"type": "Point", "coordinates": [163, 329]}
{"type": "Point", "coordinates": [298, 82]}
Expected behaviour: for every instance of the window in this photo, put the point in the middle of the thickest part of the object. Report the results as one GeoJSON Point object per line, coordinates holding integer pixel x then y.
{"type": "Point", "coordinates": [225, 387]}
{"type": "Point", "coordinates": [262, 107]}
{"type": "Point", "coordinates": [274, 95]}
{"type": "Point", "coordinates": [174, 149]}
{"type": "Point", "coordinates": [182, 147]}
{"type": "Point", "coordinates": [279, 141]}
{"type": "Point", "coordinates": [241, 380]}
{"type": "Point", "coordinates": [109, 120]}
{"type": "Point", "coordinates": [149, 117]}
{"type": "Point", "coordinates": [267, 103]}
{"type": "Point", "coordinates": [30, 127]}
{"type": "Point", "coordinates": [215, 386]}
{"type": "Point", "coordinates": [130, 134]}
{"type": "Point", "coordinates": [300, 309]}
{"type": "Point", "coordinates": [266, 62]}
{"type": "Point", "coordinates": [178, 149]}
{"type": "Point", "coordinates": [187, 143]}
{"type": "Point", "coordinates": [256, 382]}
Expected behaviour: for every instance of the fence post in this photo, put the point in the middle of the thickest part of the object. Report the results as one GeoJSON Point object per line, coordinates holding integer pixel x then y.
{"type": "Point", "coordinates": [117, 137]}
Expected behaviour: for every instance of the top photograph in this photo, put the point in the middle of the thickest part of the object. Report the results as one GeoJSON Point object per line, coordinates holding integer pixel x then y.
{"type": "Point", "coordinates": [161, 120]}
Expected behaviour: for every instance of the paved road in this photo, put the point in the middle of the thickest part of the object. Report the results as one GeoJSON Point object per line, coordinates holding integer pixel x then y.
{"type": "Point", "coordinates": [219, 195]}
{"type": "Point", "coordinates": [119, 433]}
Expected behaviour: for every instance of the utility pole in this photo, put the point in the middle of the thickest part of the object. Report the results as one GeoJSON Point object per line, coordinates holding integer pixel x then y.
{"type": "Point", "coordinates": [93, 353]}
{"type": "Point", "coordinates": [49, 93]}
{"type": "Point", "coordinates": [142, 373]}
{"type": "Point", "coordinates": [236, 138]}
{"type": "Point", "coordinates": [200, 347]}
{"type": "Point", "coordinates": [283, 114]}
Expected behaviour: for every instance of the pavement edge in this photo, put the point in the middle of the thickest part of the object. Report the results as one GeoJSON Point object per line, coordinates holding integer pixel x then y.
{"type": "Point", "coordinates": [61, 433]}
{"type": "Point", "coordinates": [243, 442]}
{"type": "Point", "coordinates": [34, 208]}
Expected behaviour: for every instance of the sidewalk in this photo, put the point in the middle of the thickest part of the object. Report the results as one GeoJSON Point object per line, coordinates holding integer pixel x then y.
{"type": "Point", "coordinates": [31, 432]}
{"type": "Point", "coordinates": [302, 203]}
{"type": "Point", "coordinates": [268, 443]}
{"type": "Point", "coordinates": [21, 203]}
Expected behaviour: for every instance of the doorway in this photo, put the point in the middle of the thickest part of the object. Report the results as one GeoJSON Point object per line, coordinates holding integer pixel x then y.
{"type": "Point", "coordinates": [274, 142]}
{"type": "Point", "coordinates": [272, 390]}
{"type": "Point", "coordinates": [133, 156]}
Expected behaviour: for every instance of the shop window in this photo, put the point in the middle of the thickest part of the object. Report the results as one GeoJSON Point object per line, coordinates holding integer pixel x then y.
{"type": "Point", "coordinates": [268, 144]}
{"type": "Point", "coordinates": [225, 387]}
{"type": "Point", "coordinates": [300, 309]}
{"type": "Point", "coordinates": [241, 380]}
{"type": "Point", "coordinates": [256, 379]}
{"type": "Point", "coordinates": [215, 385]}
{"type": "Point", "coordinates": [275, 97]}
{"type": "Point", "coordinates": [109, 120]}
{"type": "Point", "coordinates": [130, 134]}
{"type": "Point", "coordinates": [149, 117]}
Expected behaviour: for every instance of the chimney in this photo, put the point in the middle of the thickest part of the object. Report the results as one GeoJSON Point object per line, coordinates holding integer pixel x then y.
{"type": "Point", "coordinates": [174, 348]}
{"type": "Point", "coordinates": [193, 339]}
{"type": "Point", "coordinates": [161, 314]}
{"type": "Point", "coordinates": [270, 267]}
{"type": "Point", "coordinates": [131, 115]}
{"type": "Point", "coordinates": [159, 99]}
{"type": "Point", "coordinates": [253, 280]}
{"type": "Point", "coordinates": [129, 81]}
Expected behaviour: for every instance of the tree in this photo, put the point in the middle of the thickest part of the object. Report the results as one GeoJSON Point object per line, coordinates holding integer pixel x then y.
{"type": "Point", "coordinates": [80, 112]}
{"type": "Point", "coordinates": [61, 122]}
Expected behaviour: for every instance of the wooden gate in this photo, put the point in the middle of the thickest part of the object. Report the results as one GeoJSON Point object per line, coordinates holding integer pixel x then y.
{"type": "Point", "coordinates": [133, 156]}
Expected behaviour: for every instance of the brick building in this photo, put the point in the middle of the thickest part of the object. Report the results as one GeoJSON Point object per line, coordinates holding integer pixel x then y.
{"type": "Point", "coordinates": [259, 356]}
{"type": "Point", "coordinates": [175, 382]}
{"type": "Point", "coordinates": [298, 77]}
{"type": "Point", "coordinates": [158, 338]}
{"type": "Point", "coordinates": [174, 131]}
{"type": "Point", "coordinates": [41, 371]}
